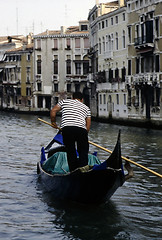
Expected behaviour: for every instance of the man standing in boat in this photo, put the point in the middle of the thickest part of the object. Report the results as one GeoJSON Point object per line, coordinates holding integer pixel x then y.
{"type": "Point", "coordinates": [75, 124]}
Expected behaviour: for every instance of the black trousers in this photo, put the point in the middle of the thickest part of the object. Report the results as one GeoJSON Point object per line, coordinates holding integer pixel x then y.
{"type": "Point", "coordinates": [73, 136]}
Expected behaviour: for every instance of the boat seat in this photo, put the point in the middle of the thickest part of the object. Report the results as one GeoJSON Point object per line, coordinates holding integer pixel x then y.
{"type": "Point", "coordinates": [58, 164]}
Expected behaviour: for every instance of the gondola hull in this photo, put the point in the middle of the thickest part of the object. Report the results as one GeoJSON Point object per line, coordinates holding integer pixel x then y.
{"type": "Point", "coordinates": [93, 186]}
{"type": "Point", "coordinates": [86, 187]}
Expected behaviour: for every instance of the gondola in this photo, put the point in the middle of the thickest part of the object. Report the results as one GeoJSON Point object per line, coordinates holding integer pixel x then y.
{"type": "Point", "coordinates": [94, 183]}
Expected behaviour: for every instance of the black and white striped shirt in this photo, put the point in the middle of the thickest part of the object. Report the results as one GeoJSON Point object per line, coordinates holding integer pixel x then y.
{"type": "Point", "coordinates": [74, 113]}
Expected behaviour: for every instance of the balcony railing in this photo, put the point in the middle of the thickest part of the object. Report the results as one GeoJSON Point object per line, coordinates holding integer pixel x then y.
{"type": "Point", "coordinates": [143, 40]}
{"type": "Point", "coordinates": [38, 78]}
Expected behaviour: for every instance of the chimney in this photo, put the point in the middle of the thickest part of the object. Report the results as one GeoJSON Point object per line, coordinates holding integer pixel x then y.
{"type": "Point", "coordinates": [121, 3]}
{"type": "Point", "coordinates": [63, 29]}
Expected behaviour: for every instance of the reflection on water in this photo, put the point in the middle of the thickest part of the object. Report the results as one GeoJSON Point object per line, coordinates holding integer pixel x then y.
{"type": "Point", "coordinates": [84, 221]}
{"type": "Point", "coordinates": [27, 212]}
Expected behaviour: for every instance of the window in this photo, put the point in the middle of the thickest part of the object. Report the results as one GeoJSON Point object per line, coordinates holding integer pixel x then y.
{"type": "Point", "coordinates": [39, 86]}
{"type": "Point", "coordinates": [157, 63]}
{"type": "Point", "coordinates": [86, 67]}
{"type": "Point", "coordinates": [28, 57]}
{"type": "Point", "coordinates": [116, 19]}
{"type": "Point", "coordinates": [86, 42]}
{"type": "Point", "coordinates": [69, 87]}
{"type": "Point", "coordinates": [112, 41]}
{"type": "Point", "coordinates": [77, 42]}
{"type": "Point", "coordinates": [84, 27]}
{"type": "Point", "coordinates": [116, 73]}
{"type": "Point", "coordinates": [103, 43]}
{"type": "Point", "coordinates": [141, 3]}
{"type": "Point", "coordinates": [78, 68]}
{"type": "Point", "coordinates": [129, 34]}
{"type": "Point", "coordinates": [137, 65]}
{"type": "Point", "coordinates": [123, 74]}
{"type": "Point", "coordinates": [112, 21]}
{"type": "Point", "coordinates": [104, 99]}
{"type": "Point", "coordinates": [123, 16]}
{"type": "Point", "coordinates": [40, 101]}
{"type": "Point", "coordinates": [55, 64]}
{"type": "Point", "coordinates": [55, 44]}
{"type": "Point", "coordinates": [110, 74]}
{"type": "Point", "coordinates": [137, 4]}
{"type": "Point", "coordinates": [68, 66]}
{"type": "Point", "coordinates": [157, 27]}
{"type": "Point", "coordinates": [28, 78]}
{"type": "Point", "coordinates": [129, 67]}
{"type": "Point", "coordinates": [148, 64]}
{"type": "Point", "coordinates": [99, 46]}
{"type": "Point", "coordinates": [28, 91]}
{"type": "Point", "coordinates": [68, 43]}
{"type": "Point", "coordinates": [55, 87]}
{"type": "Point", "coordinates": [77, 87]}
{"type": "Point", "coordinates": [100, 98]}
{"type": "Point", "coordinates": [142, 65]}
{"type": "Point", "coordinates": [38, 43]}
{"type": "Point", "coordinates": [124, 99]}
{"type": "Point", "coordinates": [117, 41]}
{"type": "Point", "coordinates": [117, 99]}
{"type": "Point", "coordinates": [103, 24]}
{"type": "Point", "coordinates": [106, 23]}
{"type": "Point", "coordinates": [39, 64]}
{"type": "Point", "coordinates": [124, 39]}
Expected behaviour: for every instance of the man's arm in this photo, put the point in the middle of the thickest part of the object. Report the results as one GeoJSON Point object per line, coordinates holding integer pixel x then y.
{"type": "Point", "coordinates": [53, 113]}
{"type": "Point", "coordinates": [88, 123]}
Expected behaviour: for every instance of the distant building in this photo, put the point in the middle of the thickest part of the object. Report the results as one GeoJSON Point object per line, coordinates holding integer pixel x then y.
{"type": "Point", "coordinates": [16, 73]}
{"type": "Point", "coordinates": [126, 61]}
{"type": "Point", "coordinates": [144, 80]}
{"type": "Point", "coordinates": [108, 54]}
{"type": "Point", "coordinates": [61, 65]}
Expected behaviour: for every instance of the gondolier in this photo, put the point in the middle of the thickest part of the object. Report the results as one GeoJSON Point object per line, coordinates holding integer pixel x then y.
{"type": "Point", "coordinates": [75, 124]}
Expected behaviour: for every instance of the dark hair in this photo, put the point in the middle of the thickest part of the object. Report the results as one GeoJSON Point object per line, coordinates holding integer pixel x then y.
{"type": "Point", "coordinates": [77, 95]}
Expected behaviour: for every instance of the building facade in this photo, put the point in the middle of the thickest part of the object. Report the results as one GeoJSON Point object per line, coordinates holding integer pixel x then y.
{"type": "Point", "coordinates": [144, 59]}
{"type": "Point", "coordinates": [108, 55]}
{"type": "Point", "coordinates": [16, 74]}
{"type": "Point", "coordinates": [61, 65]}
{"type": "Point", "coordinates": [126, 62]}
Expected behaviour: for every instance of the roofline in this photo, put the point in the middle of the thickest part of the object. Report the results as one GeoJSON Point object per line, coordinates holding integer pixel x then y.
{"type": "Point", "coordinates": [62, 35]}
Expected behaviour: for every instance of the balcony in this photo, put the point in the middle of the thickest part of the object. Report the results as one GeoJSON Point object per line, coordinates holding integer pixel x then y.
{"type": "Point", "coordinates": [76, 78]}
{"type": "Point", "coordinates": [144, 42]}
{"type": "Point", "coordinates": [149, 78]}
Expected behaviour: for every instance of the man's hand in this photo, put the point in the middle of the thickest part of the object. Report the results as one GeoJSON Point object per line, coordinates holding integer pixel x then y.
{"type": "Point", "coordinates": [54, 125]}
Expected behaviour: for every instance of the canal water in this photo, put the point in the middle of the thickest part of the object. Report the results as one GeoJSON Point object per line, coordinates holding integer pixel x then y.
{"type": "Point", "coordinates": [26, 212]}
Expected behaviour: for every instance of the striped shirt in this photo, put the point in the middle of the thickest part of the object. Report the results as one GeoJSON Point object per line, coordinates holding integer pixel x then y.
{"type": "Point", "coordinates": [74, 113]}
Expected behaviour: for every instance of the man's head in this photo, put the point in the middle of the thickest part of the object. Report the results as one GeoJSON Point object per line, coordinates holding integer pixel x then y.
{"type": "Point", "coordinates": [77, 95]}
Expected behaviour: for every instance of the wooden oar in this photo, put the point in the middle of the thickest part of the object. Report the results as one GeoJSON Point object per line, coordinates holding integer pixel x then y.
{"type": "Point", "coordinates": [49, 124]}
{"type": "Point", "coordinates": [127, 159]}
{"type": "Point", "coordinates": [109, 151]}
